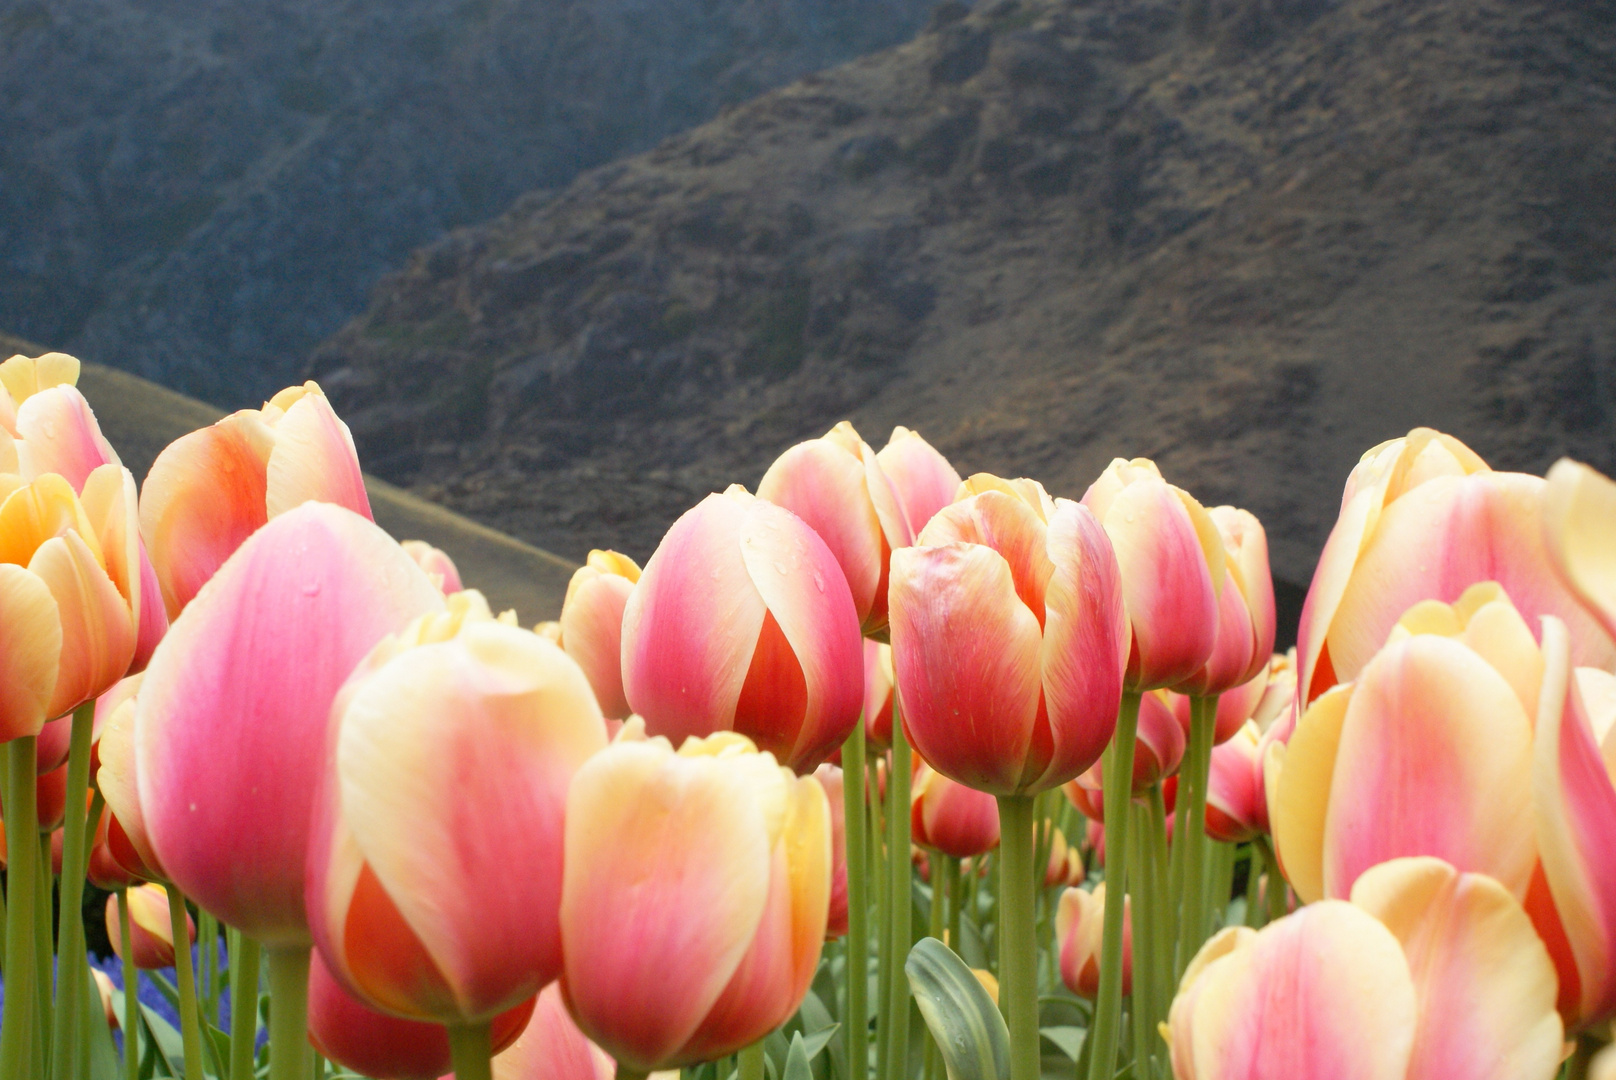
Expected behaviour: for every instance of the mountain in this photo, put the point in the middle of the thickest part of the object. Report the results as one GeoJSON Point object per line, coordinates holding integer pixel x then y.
{"type": "Point", "coordinates": [1249, 239]}
{"type": "Point", "coordinates": [201, 192]}
{"type": "Point", "coordinates": [139, 418]}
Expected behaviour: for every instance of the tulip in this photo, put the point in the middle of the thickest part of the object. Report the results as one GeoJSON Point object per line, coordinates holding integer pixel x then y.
{"type": "Point", "coordinates": [1235, 706]}
{"type": "Point", "coordinates": [829, 777]}
{"type": "Point", "coordinates": [834, 484]}
{"type": "Point", "coordinates": [552, 1048]}
{"type": "Point", "coordinates": [1078, 923]}
{"type": "Point", "coordinates": [1441, 719]}
{"type": "Point", "coordinates": [1158, 750]}
{"type": "Point", "coordinates": [1236, 803]}
{"type": "Point", "coordinates": [1065, 863]}
{"type": "Point", "coordinates": [21, 377]}
{"type": "Point", "coordinates": [358, 1037]}
{"type": "Point", "coordinates": [878, 693]}
{"type": "Point", "coordinates": [1246, 618]}
{"type": "Point", "coordinates": [1008, 637]}
{"type": "Point", "coordinates": [151, 929]}
{"type": "Point", "coordinates": [104, 992]}
{"type": "Point", "coordinates": [437, 564]}
{"type": "Point", "coordinates": [949, 817]}
{"type": "Point", "coordinates": [407, 914]}
{"type": "Point", "coordinates": [591, 626]}
{"type": "Point", "coordinates": [694, 898]}
{"type": "Point", "coordinates": [210, 490]}
{"type": "Point", "coordinates": [126, 842]}
{"type": "Point", "coordinates": [742, 621]}
{"type": "Point", "coordinates": [1278, 701]}
{"type": "Point", "coordinates": [1429, 493]}
{"type": "Point", "coordinates": [242, 686]}
{"type": "Point", "coordinates": [1427, 972]}
{"type": "Point", "coordinates": [922, 479]}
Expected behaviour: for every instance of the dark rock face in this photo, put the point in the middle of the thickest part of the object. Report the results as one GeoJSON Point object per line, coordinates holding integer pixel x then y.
{"type": "Point", "coordinates": [1247, 239]}
{"type": "Point", "coordinates": [201, 192]}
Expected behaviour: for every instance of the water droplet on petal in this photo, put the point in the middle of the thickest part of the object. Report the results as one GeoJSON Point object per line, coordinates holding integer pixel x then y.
{"type": "Point", "coordinates": [312, 589]}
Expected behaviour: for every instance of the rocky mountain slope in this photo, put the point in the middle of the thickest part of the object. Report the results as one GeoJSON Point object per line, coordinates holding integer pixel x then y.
{"type": "Point", "coordinates": [1250, 243]}
{"type": "Point", "coordinates": [202, 192]}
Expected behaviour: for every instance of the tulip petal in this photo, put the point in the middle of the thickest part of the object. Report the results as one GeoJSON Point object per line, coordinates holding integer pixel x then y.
{"type": "Point", "coordinates": [1010, 526]}
{"type": "Point", "coordinates": [651, 837]}
{"type": "Point", "coordinates": [1579, 518]}
{"type": "Point", "coordinates": [119, 786]}
{"type": "Point", "coordinates": [592, 633]}
{"type": "Point", "coordinates": [1485, 983]}
{"type": "Point", "coordinates": [507, 707]}
{"type": "Point", "coordinates": [30, 652]}
{"type": "Point", "coordinates": [231, 719]}
{"type": "Point", "coordinates": [552, 1048]}
{"type": "Point", "coordinates": [61, 435]}
{"type": "Point", "coordinates": [25, 376]}
{"type": "Point", "coordinates": [922, 478]}
{"type": "Point", "coordinates": [98, 632]}
{"type": "Point", "coordinates": [802, 587]}
{"type": "Point", "coordinates": [1323, 994]}
{"type": "Point", "coordinates": [1299, 792]}
{"type": "Point", "coordinates": [689, 636]}
{"type": "Point", "coordinates": [966, 652]}
{"type": "Point", "coordinates": [1576, 828]}
{"type": "Point", "coordinates": [825, 486]}
{"type": "Point", "coordinates": [313, 460]}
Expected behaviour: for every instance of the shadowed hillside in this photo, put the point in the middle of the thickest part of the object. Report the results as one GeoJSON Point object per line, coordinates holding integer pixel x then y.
{"type": "Point", "coordinates": [1043, 233]}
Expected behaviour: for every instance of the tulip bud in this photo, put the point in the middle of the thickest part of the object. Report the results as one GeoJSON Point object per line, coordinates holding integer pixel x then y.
{"type": "Point", "coordinates": [921, 478]}
{"type": "Point", "coordinates": [1008, 639]}
{"type": "Point", "coordinates": [830, 778]}
{"type": "Point", "coordinates": [354, 1035]}
{"type": "Point", "coordinates": [1079, 924]}
{"type": "Point", "coordinates": [1173, 567]}
{"type": "Point", "coordinates": [951, 817]}
{"type": "Point", "coordinates": [1246, 618]}
{"type": "Point", "coordinates": [742, 621]}
{"type": "Point", "coordinates": [242, 686]}
{"type": "Point", "coordinates": [436, 563]}
{"type": "Point", "coordinates": [694, 899]}
{"type": "Point", "coordinates": [210, 490]}
{"type": "Point", "coordinates": [591, 626]}
{"type": "Point", "coordinates": [407, 914]}
{"type": "Point", "coordinates": [151, 929]}
{"type": "Point", "coordinates": [104, 992]}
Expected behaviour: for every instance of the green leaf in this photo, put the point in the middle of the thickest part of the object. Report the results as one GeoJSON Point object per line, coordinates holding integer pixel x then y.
{"type": "Point", "coordinates": [1068, 1040]}
{"type": "Point", "coordinates": [966, 1023]}
{"type": "Point", "coordinates": [797, 1067]}
{"type": "Point", "coordinates": [101, 1061]}
{"type": "Point", "coordinates": [816, 1042]}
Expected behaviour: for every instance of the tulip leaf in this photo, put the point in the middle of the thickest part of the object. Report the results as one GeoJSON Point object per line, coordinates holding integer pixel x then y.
{"type": "Point", "coordinates": [101, 1057]}
{"type": "Point", "coordinates": [816, 1042]}
{"type": "Point", "coordinates": [1068, 1040]}
{"type": "Point", "coordinates": [797, 1067]}
{"type": "Point", "coordinates": [963, 1020]}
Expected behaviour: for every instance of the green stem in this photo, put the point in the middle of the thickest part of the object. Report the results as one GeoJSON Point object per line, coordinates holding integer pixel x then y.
{"type": "Point", "coordinates": [956, 895]}
{"type": "Point", "coordinates": [288, 1011]}
{"type": "Point", "coordinates": [1118, 781]}
{"type": "Point", "coordinates": [936, 925]}
{"type": "Point", "coordinates": [1190, 830]}
{"type": "Point", "coordinates": [1146, 930]}
{"type": "Point", "coordinates": [626, 1073]}
{"type": "Point", "coordinates": [857, 1018]}
{"type": "Point", "coordinates": [243, 1006]}
{"type": "Point", "coordinates": [22, 831]}
{"type": "Point", "coordinates": [1253, 874]}
{"type": "Point", "coordinates": [469, 1049]}
{"type": "Point", "coordinates": [1161, 961]}
{"type": "Point", "coordinates": [207, 940]}
{"type": "Point", "coordinates": [1582, 1057]}
{"type": "Point", "coordinates": [902, 903]}
{"type": "Point", "coordinates": [883, 915]}
{"type": "Point", "coordinates": [748, 1063]}
{"type": "Point", "coordinates": [190, 1027]}
{"type": "Point", "coordinates": [44, 883]}
{"type": "Point", "coordinates": [131, 991]}
{"type": "Point", "coordinates": [70, 969]}
{"type": "Point", "coordinates": [1276, 880]}
{"type": "Point", "coordinates": [1018, 973]}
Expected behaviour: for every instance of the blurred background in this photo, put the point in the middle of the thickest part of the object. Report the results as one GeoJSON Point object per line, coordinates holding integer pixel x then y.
{"type": "Point", "coordinates": [564, 266]}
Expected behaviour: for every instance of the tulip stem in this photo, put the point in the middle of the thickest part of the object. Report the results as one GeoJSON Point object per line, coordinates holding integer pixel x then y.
{"type": "Point", "coordinates": [131, 991]}
{"type": "Point", "coordinates": [1118, 782]}
{"type": "Point", "coordinates": [289, 1011]}
{"type": "Point", "coordinates": [626, 1073]}
{"type": "Point", "coordinates": [70, 969]}
{"type": "Point", "coordinates": [44, 882]}
{"type": "Point", "coordinates": [22, 828]}
{"type": "Point", "coordinates": [748, 1063]}
{"type": "Point", "coordinates": [883, 915]}
{"type": "Point", "coordinates": [856, 1020]}
{"type": "Point", "coordinates": [190, 1027]}
{"type": "Point", "coordinates": [1276, 880]}
{"type": "Point", "coordinates": [243, 1005]}
{"type": "Point", "coordinates": [1582, 1057]}
{"type": "Point", "coordinates": [1161, 959]}
{"type": "Point", "coordinates": [471, 1051]}
{"type": "Point", "coordinates": [1018, 959]}
{"type": "Point", "coordinates": [902, 902]}
{"type": "Point", "coordinates": [1189, 831]}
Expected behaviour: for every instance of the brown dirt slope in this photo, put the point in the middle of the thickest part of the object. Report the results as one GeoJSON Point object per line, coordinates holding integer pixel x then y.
{"type": "Point", "coordinates": [1044, 233]}
{"type": "Point", "coordinates": [139, 418]}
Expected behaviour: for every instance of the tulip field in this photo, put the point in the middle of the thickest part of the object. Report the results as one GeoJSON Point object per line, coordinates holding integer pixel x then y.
{"type": "Point", "coordinates": [876, 773]}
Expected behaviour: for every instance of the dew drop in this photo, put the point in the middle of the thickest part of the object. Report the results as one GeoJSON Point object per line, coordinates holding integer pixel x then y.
{"type": "Point", "coordinates": [312, 589]}
{"type": "Point", "coordinates": [819, 581]}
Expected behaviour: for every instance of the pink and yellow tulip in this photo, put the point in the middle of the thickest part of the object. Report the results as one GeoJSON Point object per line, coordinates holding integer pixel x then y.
{"type": "Point", "coordinates": [1431, 494]}
{"type": "Point", "coordinates": [830, 778]}
{"type": "Point", "coordinates": [151, 927]}
{"type": "Point", "coordinates": [230, 722]}
{"type": "Point", "coordinates": [1008, 639]}
{"type": "Point", "coordinates": [210, 490]}
{"type": "Point", "coordinates": [950, 817]}
{"type": "Point", "coordinates": [1427, 973]}
{"type": "Point", "coordinates": [1078, 924]}
{"type": "Point", "coordinates": [694, 898]}
{"type": "Point", "coordinates": [552, 1048]}
{"type": "Point", "coordinates": [591, 624]}
{"type": "Point", "coordinates": [437, 564]}
{"type": "Point", "coordinates": [1246, 617]}
{"type": "Point", "coordinates": [408, 914]}
{"type": "Point", "coordinates": [878, 693]}
{"type": "Point", "coordinates": [921, 478]}
{"type": "Point", "coordinates": [742, 621]}
{"type": "Point", "coordinates": [1172, 564]}
{"type": "Point", "coordinates": [126, 841]}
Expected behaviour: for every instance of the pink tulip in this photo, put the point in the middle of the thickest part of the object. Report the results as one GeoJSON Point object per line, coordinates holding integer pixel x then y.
{"type": "Point", "coordinates": [834, 484]}
{"type": "Point", "coordinates": [922, 479]}
{"type": "Point", "coordinates": [1427, 973]}
{"type": "Point", "coordinates": [592, 624]}
{"type": "Point", "coordinates": [437, 564]}
{"type": "Point", "coordinates": [411, 895]}
{"type": "Point", "coordinates": [694, 898]}
{"type": "Point", "coordinates": [354, 1035]}
{"type": "Point", "coordinates": [104, 992]}
{"type": "Point", "coordinates": [1079, 922]}
{"type": "Point", "coordinates": [1173, 565]}
{"type": "Point", "coordinates": [1236, 802]}
{"type": "Point", "coordinates": [830, 778]}
{"type": "Point", "coordinates": [742, 621]}
{"type": "Point", "coordinates": [210, 490]}
{"type": "Point", "coordinates": [1246, 618]}
{"type": "Point", "coordinates": [552, 1047]}
{"type": "Point", "coordinates": [1158, 751]}
{"type": "Point", "coordinates": [950, 817]}
{"type": "Point", "coordinates": [1008, 638]}
{"type": "Point", "coordinates": [878, 693]}
{"type": "Point", "coordinates": [1429, 493]}
{"type": "Point", "coordinates": [230, 723]}
{"type": "Point", "coordinates": [151, 927]}
{"type": "Point", "coordinates": [127, 844]}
